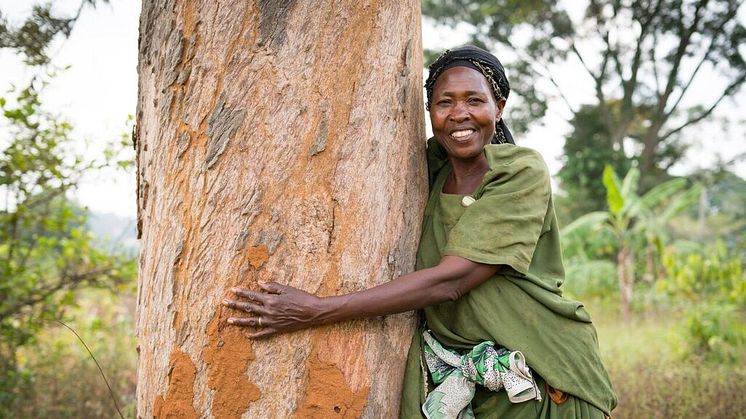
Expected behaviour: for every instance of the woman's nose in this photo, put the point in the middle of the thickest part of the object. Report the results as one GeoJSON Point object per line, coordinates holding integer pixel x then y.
{"type": "Point", "coordinates": [459, 113]}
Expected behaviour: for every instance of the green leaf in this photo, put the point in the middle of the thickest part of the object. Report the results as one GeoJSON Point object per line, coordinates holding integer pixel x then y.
{"type": "Point", "coordinates": [661, 192]}
{"type": "Point", "coordinates": [682, 201]}
{"type": "Point", "coordinates": [630, 182]}
{"type": "Point", "coordinates": [586, 223]}
{"type": "Point", "coordinates": [614, 198]}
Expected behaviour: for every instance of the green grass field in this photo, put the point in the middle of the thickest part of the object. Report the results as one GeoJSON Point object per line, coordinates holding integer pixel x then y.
{"type": "Point", "coordinates": [651, 377]}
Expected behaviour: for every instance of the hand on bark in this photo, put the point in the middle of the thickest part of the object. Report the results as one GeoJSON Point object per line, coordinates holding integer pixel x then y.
{"type": "Point", "coordinates": [279, 309]}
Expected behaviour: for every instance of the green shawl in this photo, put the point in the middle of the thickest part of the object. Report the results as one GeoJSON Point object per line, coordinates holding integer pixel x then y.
{"type": "Point", "coordinates": [511, 223]}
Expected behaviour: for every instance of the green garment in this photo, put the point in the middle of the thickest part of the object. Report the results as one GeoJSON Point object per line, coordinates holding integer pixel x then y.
{"type": "Point", "coordinates": [511, 223]}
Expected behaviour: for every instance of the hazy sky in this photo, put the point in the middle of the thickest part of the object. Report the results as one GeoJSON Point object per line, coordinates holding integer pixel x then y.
{"type": "Point", "coordinates": [99, 91]}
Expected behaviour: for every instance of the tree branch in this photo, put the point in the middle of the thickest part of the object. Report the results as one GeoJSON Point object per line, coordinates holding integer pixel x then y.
{"type": "Point", "coordinates": [630, 85]}
{"type": "Point", "coordinates": [713, 41]}
{"type": "Point", "coordinates": [691, 79]}
{"type": "Point", "coordinates": [599, 80]}
{"type": "Point", "coordinates": [684, 41]}
{"type": "Point", "coordinates": [552, 80]}
{"type": "Point", "coordinates": [654, 61]}
{"type": "Point", "coordinates": [41, 294]}
{"type": "Point", "coordinates": [727, 92]}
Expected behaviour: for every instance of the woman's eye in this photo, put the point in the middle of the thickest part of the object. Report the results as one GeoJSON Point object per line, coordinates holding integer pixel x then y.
{"type": "Point", "coordinates": [475, 100]}
{"type": "Point", "coordinates": [443, 102]}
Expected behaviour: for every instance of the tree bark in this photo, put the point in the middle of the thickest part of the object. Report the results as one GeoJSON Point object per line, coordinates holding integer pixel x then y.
{"type": "Point", "coordinates": [625, 271]}
{"type": "Point", "coordinates": [277, 140]}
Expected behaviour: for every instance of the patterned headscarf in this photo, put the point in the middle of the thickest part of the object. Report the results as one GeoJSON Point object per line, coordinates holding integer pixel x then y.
{"type": "Point", "coordinates": [483, 62]}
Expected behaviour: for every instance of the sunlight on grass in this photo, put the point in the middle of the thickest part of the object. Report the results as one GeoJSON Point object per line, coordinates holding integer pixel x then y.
{"type": "Point", "coordinates": [653, 380]}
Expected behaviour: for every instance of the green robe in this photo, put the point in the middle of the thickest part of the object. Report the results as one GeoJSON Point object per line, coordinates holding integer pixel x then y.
{"type": "Point", "coordinates": [511, 224]}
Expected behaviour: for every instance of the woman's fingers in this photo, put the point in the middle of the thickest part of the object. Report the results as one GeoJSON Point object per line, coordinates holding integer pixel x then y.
{"type": "Point", "coordinates": [245, 321]}
{"type": "Point", "coordinates": [245, 306]}
{"type": "Point", "coordinates": [248, 294]}
{"type": "Point", "coordinates": [267, 331]}
{"type": "Point", "coordinates": [272, 287]}
{"type": "Point", "coordinates": [258, 322]}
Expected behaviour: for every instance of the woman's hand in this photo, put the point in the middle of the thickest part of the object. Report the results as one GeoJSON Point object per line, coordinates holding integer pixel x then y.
{"type": "Point", "coordinates": [279, 309]}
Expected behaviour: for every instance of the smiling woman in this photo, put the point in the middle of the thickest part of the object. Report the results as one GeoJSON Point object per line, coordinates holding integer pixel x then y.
{"type": "Point", "coordinates": [489, 271]}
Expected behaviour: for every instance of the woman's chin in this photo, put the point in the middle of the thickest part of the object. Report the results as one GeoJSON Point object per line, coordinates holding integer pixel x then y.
{"type": "Point", "coordinates": [465, 153]}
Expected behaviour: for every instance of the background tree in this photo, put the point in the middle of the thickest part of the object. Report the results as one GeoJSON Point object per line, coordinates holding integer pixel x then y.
{"type": "Point", "coordinates": [631, 217]}
{"type": "Point", "coordinates": [282, 141]}
{"type": "Point", "coordinates": [32, 38]}
{"type": "Point", "coordinates": [47, 253]}
{"type": "Point", "coordinates": [721, 213]}
{"type": "Point", "coordinates": [641, 57]}
{"type": "Point", "coordinates": [587, 150]}
{"type": "Point", "coordinates": [46, 250]}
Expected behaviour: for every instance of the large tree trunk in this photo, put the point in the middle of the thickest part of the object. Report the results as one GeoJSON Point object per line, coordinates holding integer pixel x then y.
{"type": "Point", "coordinates": [277, 140]}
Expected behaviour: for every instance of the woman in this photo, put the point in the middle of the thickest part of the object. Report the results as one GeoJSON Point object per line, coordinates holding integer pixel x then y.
{"type": "Point", "coordinates": [488, 273]}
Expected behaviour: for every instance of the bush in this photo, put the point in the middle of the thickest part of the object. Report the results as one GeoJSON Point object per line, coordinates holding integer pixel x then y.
{"type": "Point", "coordinates": [652, 380]}
{"type": "Point", "coordinates": [713, 283]}
{"type": "Point", "coordinates": [713, 333]}
{"type": "Point", "coordinates": [597, 278]}
{"type": "Point", "coordinates": [711, 273]}
{"type": "Point", "coordinates": [60, 378]}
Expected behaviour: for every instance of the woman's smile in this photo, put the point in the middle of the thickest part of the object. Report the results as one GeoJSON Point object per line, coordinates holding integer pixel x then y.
{"type": "Point", "coordinates": [462, 135]}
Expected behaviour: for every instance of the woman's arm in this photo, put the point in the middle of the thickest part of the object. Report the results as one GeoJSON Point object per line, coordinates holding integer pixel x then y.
{"type": "Point", "coordinates": [282, 308]}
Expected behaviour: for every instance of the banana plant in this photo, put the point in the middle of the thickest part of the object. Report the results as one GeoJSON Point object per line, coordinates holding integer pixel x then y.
{"type": "Point", "coordinates": [631, 215]}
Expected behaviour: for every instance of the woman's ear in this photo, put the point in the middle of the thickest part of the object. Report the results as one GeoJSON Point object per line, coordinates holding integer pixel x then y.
{"type": "Point", "coordinates": [500, 105]}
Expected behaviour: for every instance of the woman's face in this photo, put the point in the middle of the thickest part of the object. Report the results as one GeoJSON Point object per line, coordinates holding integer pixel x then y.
{"type": "Point", "coordinates": [463, 112]}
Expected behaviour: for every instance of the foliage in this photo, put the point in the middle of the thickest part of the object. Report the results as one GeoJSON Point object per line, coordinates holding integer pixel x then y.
{"type": "Point", "coordinates": [46, 252]}
{"type": "Point", "coordinates": [641, 77]}
{"type": "Point", "coordinates": [33, 37]}
{"type": "Point", "coordinates": [594, 278]}
{"type": "Point", "coordinates": [650, 377]}
{"type": "Point", "coordinates": [63, 381]}
{"type": "Point", "coordinates": [713, 282]}
{"type": "Point", "coordinates": [714, 332]}
{"type": "Point", "coordinates": [721, 213]}
{"type": "Point", "coordinates": [631, 217]}
{"type": "Point", "coordinates": [587, 150]}
{"type": "Point", "coordinates": [700, 274]}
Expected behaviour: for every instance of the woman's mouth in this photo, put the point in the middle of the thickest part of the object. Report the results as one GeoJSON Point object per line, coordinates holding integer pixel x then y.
{"type": "Point", "coordinates": [462, 135]}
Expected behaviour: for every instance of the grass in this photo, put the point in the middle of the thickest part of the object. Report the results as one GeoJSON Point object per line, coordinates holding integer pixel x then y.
{"type": "Point", "coordinates": [652, 378]}
{"type": "Point", "coordinates": [64, 381]}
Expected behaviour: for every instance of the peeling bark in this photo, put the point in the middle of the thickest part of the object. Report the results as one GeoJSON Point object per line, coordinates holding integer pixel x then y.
{"type": "Point", "coordinates": [276, 140]}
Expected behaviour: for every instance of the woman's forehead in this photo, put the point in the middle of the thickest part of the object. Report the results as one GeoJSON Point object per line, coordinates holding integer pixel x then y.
{"type": "Point", "coordinates": [461, 79]}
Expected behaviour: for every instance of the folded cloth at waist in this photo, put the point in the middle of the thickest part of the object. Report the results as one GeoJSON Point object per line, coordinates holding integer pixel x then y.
{"type": "Point", "coordinates": [457, 375]}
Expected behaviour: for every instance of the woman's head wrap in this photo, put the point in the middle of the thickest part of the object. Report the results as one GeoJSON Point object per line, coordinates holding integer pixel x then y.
{"type": "Point", "coordinates": [483, 62]}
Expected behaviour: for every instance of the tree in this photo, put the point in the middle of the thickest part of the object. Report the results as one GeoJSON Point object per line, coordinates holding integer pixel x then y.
{"type": "Point", "coordinates": [587, 150]}
{"type": "Point", "coordinates": [282, 141]}
{"type": "Point", "coordinates": [46, 251]}
{"type": "Point", "coordinates": [33, 37]}
{"type": "Point", "coordinates": [631, 217]}
{"type": "Point", "coordinates": [644, 56]}
{"type": "Point", "coordinates": [721, 213]}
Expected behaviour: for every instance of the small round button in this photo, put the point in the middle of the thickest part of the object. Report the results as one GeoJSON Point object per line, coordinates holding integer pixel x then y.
{"type": "Point", "coordinates": [468, 200]}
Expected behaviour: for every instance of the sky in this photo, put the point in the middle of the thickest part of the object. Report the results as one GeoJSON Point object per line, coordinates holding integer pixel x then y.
{"type": "Point", "coordinates": [98, 92]}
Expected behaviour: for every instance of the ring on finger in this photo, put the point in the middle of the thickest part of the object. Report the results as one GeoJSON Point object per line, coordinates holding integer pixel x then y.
{"type": "Point", "coordinates": [260, 321]}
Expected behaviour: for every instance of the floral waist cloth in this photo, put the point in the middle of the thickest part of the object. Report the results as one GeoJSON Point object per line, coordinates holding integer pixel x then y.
{"type": "Point", "coordinates": [456, 377]}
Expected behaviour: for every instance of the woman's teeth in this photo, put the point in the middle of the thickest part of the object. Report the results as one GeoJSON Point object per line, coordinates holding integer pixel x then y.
{"type": "Point", "coordinates": [462, 134]}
